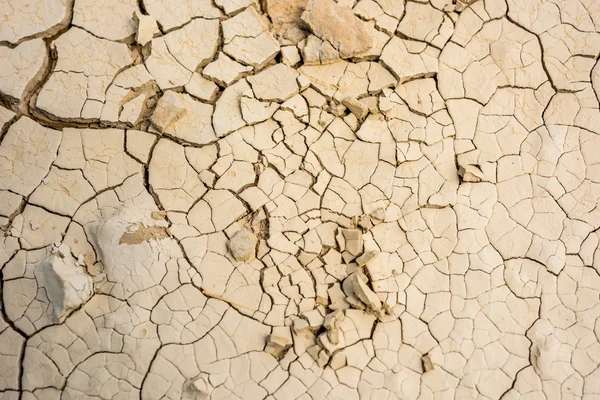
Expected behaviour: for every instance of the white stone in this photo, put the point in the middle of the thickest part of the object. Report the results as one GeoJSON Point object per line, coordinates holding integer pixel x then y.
{"type": "Point", "coordinates": [67, 286]}
{"type": "Point", "coordinates": [242, 245]}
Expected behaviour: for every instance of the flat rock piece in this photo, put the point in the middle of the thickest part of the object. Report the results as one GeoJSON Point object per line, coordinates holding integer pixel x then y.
{"type": "Point", "coordinates": [354, 241]}
{"type": "Point", "coordinates": [364, 292]}
{"type": "Point", "coordinates": [285, 15]}
{"type": "Point", "coordinates": [277, 345]}
{"type": "Point", "coordinates": [358, 108]}
{"type": "Point", "coordinates": [146, 28]}
{"type": "Point", "coordinates": [339, 26]}
{"type": "Point", "coordinates": [201, 387]}
{"type": "Point", "coordinates": [470, 173]}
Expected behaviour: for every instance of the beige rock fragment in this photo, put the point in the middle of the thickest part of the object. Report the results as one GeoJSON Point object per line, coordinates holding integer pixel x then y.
{"type": "Point", "coordinates": [201, 387]}
{"type": "Point", "coordinates": [288, 27]}
{"type": "Point", "coordinates": [378, 215]}
{"type": "Point", "coordinates": [366, 257]}
{"type": "Point", "coordinates": [146, 28]}
{"type": "Point", "coordinates": [364, 292]}
{"type": "Point", "coordinates": [353, 241]}
{"type": "Point", "coordinates": [247, 39]}
{"type": "Point", "coordinates": [67, 285]}
{"type": "Point", "coordinates": [428, 364]}
{"type": "Point", "coordinates": [135, 250]}
{"type": "Point", "coordinates": [42, 287]}
{"type": "Point", "coordinates": [242, 245]}
{"type": "Point", "coordinates": [357, 107]}
{"type": "Point", "coordinates": [319, 355]}
{"type": "Point", "coordinates": [278, 345]}
{"type": "Point", "coordinates": [339, 26]}
{"type": "Point", "coordinates": [290, 55]}
{"type": "Point", "coordinates": [332, 324]}
{"type": "Point", "coordinates": [22, 67]}
{"type": "Point", "coordinates": [316, 51]}
{"type": "Point", "coordinates": [470, 173]}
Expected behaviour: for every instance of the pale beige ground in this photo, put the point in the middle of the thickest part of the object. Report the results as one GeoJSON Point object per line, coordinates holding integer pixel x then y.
{"type": "Point", "coordinates": [299, 199]}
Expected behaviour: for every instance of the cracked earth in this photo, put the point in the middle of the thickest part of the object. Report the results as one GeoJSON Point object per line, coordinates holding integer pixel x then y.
{"type": "Point", "coordinates": [299, 199]}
